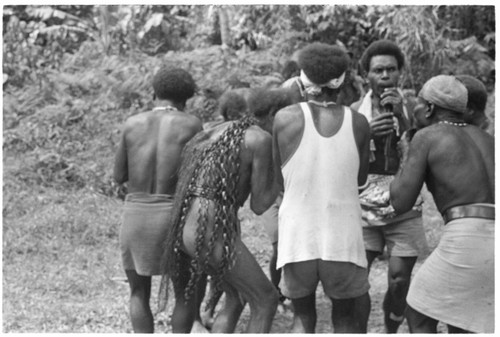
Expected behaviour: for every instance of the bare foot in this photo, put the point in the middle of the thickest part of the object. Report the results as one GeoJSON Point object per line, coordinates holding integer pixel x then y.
{"type": "Point", "coordinates": [199, 328]}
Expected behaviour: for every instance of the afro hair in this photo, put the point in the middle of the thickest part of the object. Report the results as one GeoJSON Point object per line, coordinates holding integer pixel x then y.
{"type": "Point", "coordinates": [173, 83]}
{"type": "Point", "coordinates": [264, 101]}
{"type": "Point", "coordinates": [322, 62]}
{"type": "Point", "coordinates": [477, 96]}
{"type": "Point", "coordinates": [381, 47]}
{"type": "Point", "coordinates": [232, 105]}
{"type": "Point", "coordinates": [290, 69]}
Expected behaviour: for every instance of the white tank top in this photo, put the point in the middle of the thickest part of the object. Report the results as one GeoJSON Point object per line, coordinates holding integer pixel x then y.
{"type": "Point", "coordinates": [320, 216]}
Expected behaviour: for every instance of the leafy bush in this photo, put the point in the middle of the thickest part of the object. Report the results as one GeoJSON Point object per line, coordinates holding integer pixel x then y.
{"type": "Point", "coordinates": [63, 107]}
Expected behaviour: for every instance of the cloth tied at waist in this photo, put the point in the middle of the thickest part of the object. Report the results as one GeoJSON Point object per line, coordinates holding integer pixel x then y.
{"type": "Point", "coordinates": [146, 198]}
{"type": "Point", "coordinates": [484, 211]}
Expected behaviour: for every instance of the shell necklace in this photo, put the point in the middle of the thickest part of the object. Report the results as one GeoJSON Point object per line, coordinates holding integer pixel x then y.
{"type": "Point", "coordinates": [453, 123]}
{"type": "Point", "coordinates": [323, 104]}
{"type": "Point", "coordinates": [167, 107]}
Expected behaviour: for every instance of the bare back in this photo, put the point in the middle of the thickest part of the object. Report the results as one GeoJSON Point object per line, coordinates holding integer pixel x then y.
{"type": "Point", "coordinates": [151, 148]}
{"type": "Point", "coordinates": [217, 181]}
{"type": "Point", "coordinates": [456, 163]}
{"type": "Point", "coordinates": [255, 172]}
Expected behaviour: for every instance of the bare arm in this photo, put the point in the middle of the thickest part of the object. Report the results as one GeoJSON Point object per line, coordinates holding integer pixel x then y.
{"type": "Point", "coordinates": [264, 188]}
{"type": "Point", "coordinates": [276, 155]}
{"type": "Point", "coordinates": [410, 178]}
{"type": "Point", "coordinates": [362, 136]}
{"type": "Point", "coordinates": [120, 170]}
{"type": "Point", "coordinates": [287, 128]}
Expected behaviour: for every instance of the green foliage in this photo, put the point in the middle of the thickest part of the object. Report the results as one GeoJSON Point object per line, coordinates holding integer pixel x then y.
{"type": "Point", "coordinates": [36, 39]}
{"type": "Point", "coordinates": [63, 106]}
{"type": "Point", "coordinates": [148, 28]}
{"type": "Point", "coordinates": [66, 126]}
{"type": "Point", "coordinates": [433, 46]}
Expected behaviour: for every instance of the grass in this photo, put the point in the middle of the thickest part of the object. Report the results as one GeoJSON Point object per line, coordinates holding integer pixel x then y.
{"type": "Point", "coordinates": [59, 261]}
{"type": "Point", "coordinates": [62, 269]}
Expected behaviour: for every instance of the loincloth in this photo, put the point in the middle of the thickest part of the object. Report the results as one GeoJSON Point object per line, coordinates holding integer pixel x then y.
{"type": "Point", "coordinates": [143, 231]}
{"type": "Point", "coordinates": [455, 285]}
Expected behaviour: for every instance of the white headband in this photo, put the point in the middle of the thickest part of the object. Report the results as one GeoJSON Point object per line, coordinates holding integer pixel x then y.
{"type": "Point", "coordinates": [315, 89]}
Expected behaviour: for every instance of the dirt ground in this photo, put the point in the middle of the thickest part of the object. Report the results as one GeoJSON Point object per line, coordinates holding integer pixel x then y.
{"type": "Point", "coordinates": [258, 242]}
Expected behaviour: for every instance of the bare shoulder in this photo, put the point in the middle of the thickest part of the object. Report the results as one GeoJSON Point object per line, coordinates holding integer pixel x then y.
{"type": "Point", "coordinates": [359, 119]}
{"type": "Point", "coordinates": [255, 137]}
{"type": "Point", "coordinates": [188, 120]}
{"type": "Point", "coordinates": [134, 121]}
{"type": "Point", "coordinates": [182, 123]}
{"type": "Point", "coordinates": [428, 137]}
{"type": "Point", "coordinates": [288, 114]}
{"type": "Point", "coordinates": [355, 106]}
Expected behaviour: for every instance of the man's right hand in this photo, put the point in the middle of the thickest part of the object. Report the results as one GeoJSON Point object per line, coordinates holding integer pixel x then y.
{"type": "Point", "coordinates": [382, 125]}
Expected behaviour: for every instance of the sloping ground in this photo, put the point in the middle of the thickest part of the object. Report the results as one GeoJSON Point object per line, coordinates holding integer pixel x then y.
{"type": "Point", "coordinates": [61, 264]}
{"type": "Point", "coordinates": [62, 269]}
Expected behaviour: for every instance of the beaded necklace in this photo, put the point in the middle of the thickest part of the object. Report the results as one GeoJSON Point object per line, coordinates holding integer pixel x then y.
{"type": "Point", "coordinates": [453, 123]}
{"type": "Point", "coordinates": [167, 107]}
{"type": "Point", "coordinates": [323, 104]}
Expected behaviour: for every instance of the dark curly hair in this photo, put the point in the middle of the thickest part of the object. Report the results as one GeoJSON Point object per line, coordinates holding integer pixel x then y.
{"type": "Point", "coordinates": [381, 47]}
{"type": "Point", "coordinates": [322, 62]}
{"type": "Point", "coordinates": [264, 101]}
{"type": "Point", "coordinates": [231, 105]}
{"type": "Point", "coordinates": [173, 83]}
{"type": "Point", "coordinates": [477, 96]}
{"type": "Point", "coordinates": [290, 69]}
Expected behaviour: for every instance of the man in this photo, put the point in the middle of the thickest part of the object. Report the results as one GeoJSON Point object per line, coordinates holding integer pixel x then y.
{"type": "Point", "coordinates": [322, 149]}
{"type": "Point", "coordinates": [388, 113]}
{"type": "Point", "coordinates": [233, 105]}
{"type": "Point", "coordinates": [221, 168]}
{"type": "Point", "coordinates": [455, 285]}
{"type": "Point", "coordinates": [350, 91]}
{"type": "Point", "coordinates": [148, 158]}
{"type": "Point", "coordinates": [477, 98]}
{"type": "Point", "coordinates": [265, 101]}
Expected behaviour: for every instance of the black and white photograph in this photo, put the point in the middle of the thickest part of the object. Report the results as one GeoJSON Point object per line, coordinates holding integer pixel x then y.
{"type": "Point", "coordinates": [248, 168]}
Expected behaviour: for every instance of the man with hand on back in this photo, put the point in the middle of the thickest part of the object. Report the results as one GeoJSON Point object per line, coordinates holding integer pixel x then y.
{"type": "Point", "coordinates": [456, 283]}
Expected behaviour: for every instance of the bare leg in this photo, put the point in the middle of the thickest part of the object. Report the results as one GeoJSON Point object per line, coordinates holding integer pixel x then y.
{"type": "Point", "coordinates": [351, 315]}
{"type": "Point", "coordinates": [275, 273]}
{"type": "Point", "coordinates": [186, 311]}
{"type": "Point", "coordinates": [304, 314]}
{"type": "Point", "coordinates": [247, 277]}
{"type": "Point", "coordinates": [454, 329]}
{"type": "Point", "coordinates": [370, 256]}
{"type": "Point", "coordinates": [227, 318]}
{"type": "Point", "coordinates": [420, 323]}
{"type": "Point", "coordinates": [209, 312]}
{"type": "Point", "coordinates": [198, 326]}
{"type": "Point", "coordinates": [394, 305]}
{"type": "Point", "coordinates": [140, 311]}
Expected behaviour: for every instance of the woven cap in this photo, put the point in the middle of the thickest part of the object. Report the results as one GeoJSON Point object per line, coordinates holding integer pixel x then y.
{"type": "Point", "coordinates": [445, 91]}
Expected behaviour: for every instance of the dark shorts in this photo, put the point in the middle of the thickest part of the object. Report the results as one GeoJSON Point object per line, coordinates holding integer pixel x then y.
{"type": "Point", "coordinates": [404, 239]}
{"type": "Point", "coordinates": [340, 280]}
{"type": "Point", "coordinates": [269, 220]}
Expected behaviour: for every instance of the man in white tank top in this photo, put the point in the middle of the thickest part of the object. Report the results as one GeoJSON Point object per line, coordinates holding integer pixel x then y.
{"type": "Point", "coordinates": [322, 150]}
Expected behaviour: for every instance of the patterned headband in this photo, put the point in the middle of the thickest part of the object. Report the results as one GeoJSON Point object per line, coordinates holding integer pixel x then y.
{"type": "Point", "coordinates": [315, 89]}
